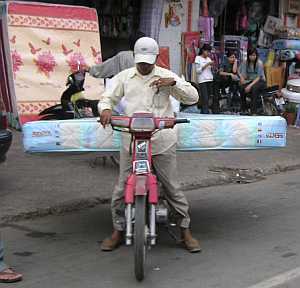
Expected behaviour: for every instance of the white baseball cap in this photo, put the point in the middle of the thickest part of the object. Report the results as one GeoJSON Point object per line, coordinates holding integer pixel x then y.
{"type": "Point", "coordinates": [145, 50]}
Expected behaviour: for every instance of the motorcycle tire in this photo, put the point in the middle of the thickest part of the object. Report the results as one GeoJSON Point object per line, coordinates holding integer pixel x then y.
{"type": "Point", "coordinates": [140, 237]}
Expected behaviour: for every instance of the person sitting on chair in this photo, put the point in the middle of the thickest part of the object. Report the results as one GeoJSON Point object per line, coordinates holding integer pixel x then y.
{"type": "Point", "coordinates": [228, 75]}
{"type": "Point", "coordinates": [252, 80]}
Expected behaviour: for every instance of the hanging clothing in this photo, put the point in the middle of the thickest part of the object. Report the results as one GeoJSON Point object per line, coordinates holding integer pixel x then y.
{"type": "Point", "coordinates": [151, 16]}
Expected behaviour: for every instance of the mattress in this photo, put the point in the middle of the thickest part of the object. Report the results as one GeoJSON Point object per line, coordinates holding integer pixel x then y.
{"type": "Point", "coordinates": [286, 44]}
{"type": "Point", "coordinates": [44, 43]}
{"type": "Point", "coordinates": [204, 132]}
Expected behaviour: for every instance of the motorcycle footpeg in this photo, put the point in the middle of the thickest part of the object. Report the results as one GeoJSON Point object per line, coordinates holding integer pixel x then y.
{"type": "Point", "coordinates": [161, 214]}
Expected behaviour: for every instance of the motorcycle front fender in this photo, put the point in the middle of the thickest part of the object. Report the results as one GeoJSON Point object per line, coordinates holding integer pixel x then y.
{"type": "Point", "coordinates": [141, 185]}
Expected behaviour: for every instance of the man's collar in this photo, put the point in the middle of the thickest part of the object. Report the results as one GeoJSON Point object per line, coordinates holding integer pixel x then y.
{"type": "Point", "coordinates": [133, 72]}
{"type": "Point", "coordinates": [154, 72]}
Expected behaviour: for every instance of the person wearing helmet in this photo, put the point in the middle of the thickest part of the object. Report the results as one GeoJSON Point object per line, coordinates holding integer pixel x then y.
{"type": "Point", "coordinates": [147, 88]}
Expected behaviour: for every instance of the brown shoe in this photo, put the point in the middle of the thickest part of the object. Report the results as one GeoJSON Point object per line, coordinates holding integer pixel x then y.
{"type": "Point", "coordinates": [191, 244]}
{"type": "Point", "coordinates": [112, 243]}
{"type": "Point", "coordinates": [10, 276]}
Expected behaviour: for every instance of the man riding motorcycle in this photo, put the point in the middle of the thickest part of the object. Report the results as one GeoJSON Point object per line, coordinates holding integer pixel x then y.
{"type": "Point", "coordinates": [147, 88]}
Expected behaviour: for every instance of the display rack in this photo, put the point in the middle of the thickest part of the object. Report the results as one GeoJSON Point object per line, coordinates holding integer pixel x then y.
{"type": "Point", "coordinates": [118, 18]}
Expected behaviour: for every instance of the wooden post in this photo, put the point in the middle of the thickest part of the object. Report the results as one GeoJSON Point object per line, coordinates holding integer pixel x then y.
{"type": "Point", "coordinates": [189, 16]}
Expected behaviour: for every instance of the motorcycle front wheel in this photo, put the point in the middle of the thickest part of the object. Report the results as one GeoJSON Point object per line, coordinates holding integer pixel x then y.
{"type": "Point", "coordinates": [140, 241]}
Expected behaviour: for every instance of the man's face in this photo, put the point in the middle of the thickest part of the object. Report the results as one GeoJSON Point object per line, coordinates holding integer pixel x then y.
{"type": "Point", "coordinates": [145, 68]}
{"type": "Point", "coordinates": [231, 59]}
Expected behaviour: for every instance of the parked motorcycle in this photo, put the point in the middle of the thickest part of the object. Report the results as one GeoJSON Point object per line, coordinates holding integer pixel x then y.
{"type": "Point", "coordinates": [270, 102]}
{"type": "Point", "coordinates": [73, 104]}
{"type": "Point", "coordinates": [143, 207]}
{"type": "Point", "coordinates": [266, 102]}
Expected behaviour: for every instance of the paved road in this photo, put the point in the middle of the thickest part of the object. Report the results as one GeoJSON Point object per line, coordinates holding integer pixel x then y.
{"type": "Point", "coordinates": [249, 233]}
{"type": "Point", "coordinates": [43, 184]}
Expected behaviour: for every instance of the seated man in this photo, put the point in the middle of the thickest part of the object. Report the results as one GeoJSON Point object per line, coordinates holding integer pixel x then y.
{"type": "Point", "coordinates": [228, 77]}
{"type": "Point", "coordinates": [7, 275]}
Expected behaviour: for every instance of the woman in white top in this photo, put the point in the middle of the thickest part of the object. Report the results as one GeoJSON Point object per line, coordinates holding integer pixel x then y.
{"type": "Point", "coordinates": [204, 76]}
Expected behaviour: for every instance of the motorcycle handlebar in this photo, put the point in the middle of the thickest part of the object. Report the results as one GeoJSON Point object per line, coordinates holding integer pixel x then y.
{"type": "Point", "coordinates": [160, 123]}
{"type": "Point", "coordinates": [182, 120]}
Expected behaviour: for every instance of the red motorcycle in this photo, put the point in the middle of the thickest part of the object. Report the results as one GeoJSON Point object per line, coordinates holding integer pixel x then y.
{"type": "Point", "coordinates": [143, 209]}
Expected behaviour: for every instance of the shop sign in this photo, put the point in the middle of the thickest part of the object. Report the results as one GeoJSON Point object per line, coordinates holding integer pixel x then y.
{"type": "Point", "coordinates": [272, 25]}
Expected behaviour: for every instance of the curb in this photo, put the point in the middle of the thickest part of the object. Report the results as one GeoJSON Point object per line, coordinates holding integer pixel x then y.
{"type": "Point", "coordinates": [226, 176]}
{"type": "Point", "coordinates": [229, 175]}
{"type": "Point", "coordinates": [289, 279]}
{"type": "Point", "coordinates": [58, 209]}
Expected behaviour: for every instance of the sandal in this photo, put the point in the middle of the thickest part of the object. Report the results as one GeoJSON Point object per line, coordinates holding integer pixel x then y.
{"type": "Point", "coordinates": [10, 276]}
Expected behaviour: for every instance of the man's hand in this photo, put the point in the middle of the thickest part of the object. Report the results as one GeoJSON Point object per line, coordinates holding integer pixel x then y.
{"type": "Point", "coordinates": [163, 82]}
{"type": "Point", "coordinates": [105, 117]}
{"type": "Point", "coordinates": [234, 77]}
{"type": "Point", "coordinates": [248, 88]}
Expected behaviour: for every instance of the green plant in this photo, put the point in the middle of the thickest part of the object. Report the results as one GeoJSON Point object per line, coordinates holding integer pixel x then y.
{"type": "Point", "coordinates": [291, 107]}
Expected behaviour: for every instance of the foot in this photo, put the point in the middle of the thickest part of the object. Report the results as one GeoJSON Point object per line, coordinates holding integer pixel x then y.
{"type": "Point", "coordinates": [10, 276]}
{"type": "Point", "coordinates": [113, 242]}
{"type": "Point", "coordinates": [244, 112]}
{"type": "Point", "coordinates": [191, 244]}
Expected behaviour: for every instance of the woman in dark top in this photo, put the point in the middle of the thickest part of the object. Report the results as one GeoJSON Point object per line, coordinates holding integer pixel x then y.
{"type": "Point", "coordinates": [228, 73]}
{"type": "Point", "coordinates": [252, 80]}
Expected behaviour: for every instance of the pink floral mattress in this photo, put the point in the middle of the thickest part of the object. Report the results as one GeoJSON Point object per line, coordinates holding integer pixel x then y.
{"type": "Point", "coordinates": [46, 42]}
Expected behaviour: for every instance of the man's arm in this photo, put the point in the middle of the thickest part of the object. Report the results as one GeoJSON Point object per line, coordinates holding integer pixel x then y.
{"type": "Point", "coordinates": [184, 92]}
{"type": "Point", "coordinates": [107, 69]}
{"type": "Point", "coordinates": [223, 73]}
{"type": "Point", "coordinates": [235, 67]}
{"type": "Point", "coordinates": [110, 98]}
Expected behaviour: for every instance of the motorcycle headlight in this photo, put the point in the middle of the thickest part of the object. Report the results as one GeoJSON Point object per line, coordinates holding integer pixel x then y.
{"type": "Point", "coordinates": [142, 124]}
{"type": "Point", "coordinates": [293, 88]}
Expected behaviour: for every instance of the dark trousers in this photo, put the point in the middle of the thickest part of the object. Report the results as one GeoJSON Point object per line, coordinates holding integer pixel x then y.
{"type": "Point", "coordinates": [254, 94]}
{"type": "Point", "coordinates": [224, 82]}
{"type": "Point", "coordinates": [206, 91]}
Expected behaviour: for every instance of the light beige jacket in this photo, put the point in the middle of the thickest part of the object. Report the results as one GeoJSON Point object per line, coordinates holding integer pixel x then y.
{"type": "Point", "coordinates": [138, 96]}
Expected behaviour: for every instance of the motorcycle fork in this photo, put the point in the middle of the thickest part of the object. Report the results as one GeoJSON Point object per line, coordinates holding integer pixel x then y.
{"type": "Point", "coordinates": [150, 185]}
{"type": "Point", "coordinates": [141, 182]}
